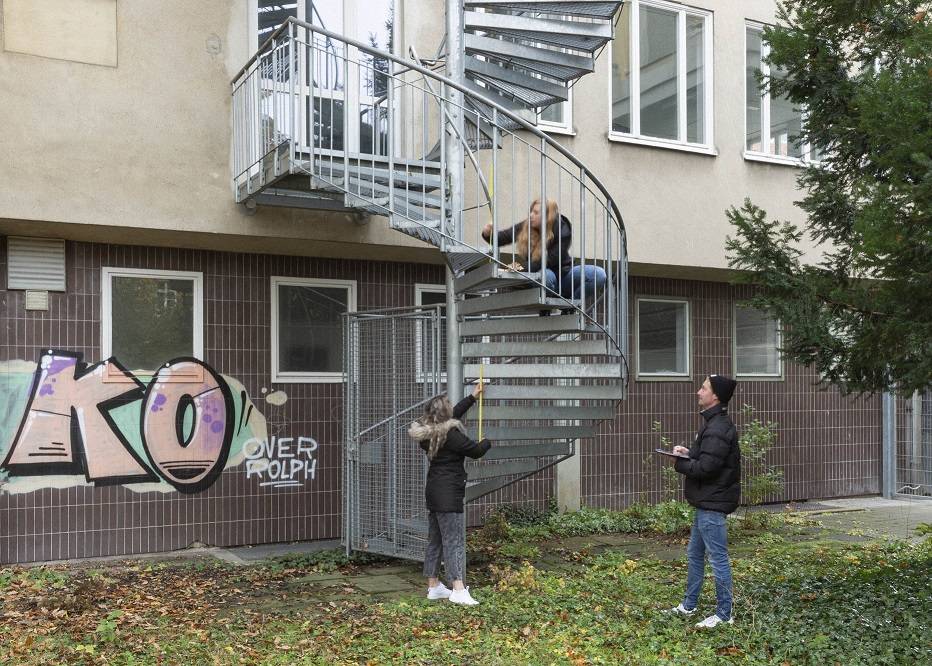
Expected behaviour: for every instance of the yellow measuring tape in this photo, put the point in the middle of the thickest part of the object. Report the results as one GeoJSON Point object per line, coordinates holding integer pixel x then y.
{"type": "Point", "coordinates": [481, 394]}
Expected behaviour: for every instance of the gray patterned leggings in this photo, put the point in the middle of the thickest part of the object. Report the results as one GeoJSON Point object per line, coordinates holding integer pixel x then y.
{"type": "Point", "coordinates": [445, 533]}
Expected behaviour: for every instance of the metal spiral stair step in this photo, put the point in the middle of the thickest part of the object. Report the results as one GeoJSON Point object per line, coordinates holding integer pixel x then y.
{"type": "Point", "coordinates": [553, 392]}
{"type": "Point", "coordinates": [488, 276]}
{"type": "Point", "coordinates": [558, 65]}
{"type": "Point", "coordinates": [587, 37]}
{"type": "Point", "coordinates": [530, 324]}
{"type": "Point", "coordinates": [548, 412]}
{"type": "Point", "coordinates": [594, 10]}
{"type": "Point", "coordinates": [519, 300]}
{"type": "Point", "coordinates": [415, 177]}
{"type": "Point", "coordinates": [476, 472]}
{"type": "Point", "coordinates": [539, 349]}
{"type": "Point", "coordinates": [543, 370]}
{"type": "Point", "coordinates": [403, 197]}
{"type": "Point", "coordinates": [519, 451]}
{"type": "Point", "coordinates": [536, 434]}
{"type": "Point", "coordinates": [530, 89]}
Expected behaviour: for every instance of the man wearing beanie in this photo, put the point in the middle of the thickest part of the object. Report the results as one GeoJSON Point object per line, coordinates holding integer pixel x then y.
{"type": "Point", "coordinates": [713, 486]}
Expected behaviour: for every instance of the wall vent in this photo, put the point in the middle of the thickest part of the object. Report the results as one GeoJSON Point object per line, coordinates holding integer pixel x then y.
{"type": "Point", "coordinates": [35, 263]}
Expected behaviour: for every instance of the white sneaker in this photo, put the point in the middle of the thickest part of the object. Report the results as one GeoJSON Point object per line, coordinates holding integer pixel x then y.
{"type": "Point", "coordinates": [463, 597]}
{"type": "Point", "coordinates": [439, 591]}
{"type": "Point", "coordinates": [713, 621]}
{"type": "Point", "coordinates": [680, 609]}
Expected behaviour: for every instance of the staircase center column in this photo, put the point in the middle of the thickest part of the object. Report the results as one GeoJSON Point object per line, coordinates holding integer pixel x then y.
{"type": "Point", "coordinates": [453, 171]}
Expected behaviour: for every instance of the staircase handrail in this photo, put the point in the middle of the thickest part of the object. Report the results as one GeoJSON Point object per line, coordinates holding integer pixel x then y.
{"type": "Point", "coordinates": [366, 48]}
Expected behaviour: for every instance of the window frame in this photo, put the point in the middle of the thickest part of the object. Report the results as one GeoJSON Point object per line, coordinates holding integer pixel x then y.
{"type": "Point", "coordinates": [687, 337]}
{"type": "Point", "coordinates": [761, 156]}
{"type": "Point", "coordinates": [566, 127]}
{"type": "Point", "coordinates": [107, 273]}
{"type": "Point", "coordinates": [754, 376]}
{"type": "Point", "coordinates": [635, 137]}
{"type": "Point", "coordinates": [286, 377]}
{"type": "Point", "coordinates": [421, 288]}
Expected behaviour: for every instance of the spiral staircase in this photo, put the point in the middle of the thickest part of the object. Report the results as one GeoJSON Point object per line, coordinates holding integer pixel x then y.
{"type": "Point", "coordinates": [441, 159]}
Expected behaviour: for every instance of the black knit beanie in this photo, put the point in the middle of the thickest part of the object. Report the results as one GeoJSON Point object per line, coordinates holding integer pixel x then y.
{"type": "Point", "coordinates": [723, 387]}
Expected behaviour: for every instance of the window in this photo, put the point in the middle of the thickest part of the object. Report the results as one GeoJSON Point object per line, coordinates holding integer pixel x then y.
{"type": "Point", "coordinates": [151, 317]}
{"type": "Point", "coordinates": [557, 117]}
{"type": "Point", "coordinates": [307, 328]}
{"type": "Point", "coordinates": [661, 89]}
{"type": "Point", "coordinates": [430, 294]}
{"type": "Point", "coordinates": [772, 126]}
{"type": "Point", "coordinates": [662, 338]}
{"type": "Point", "coordinates": [757, 342]}
{"type": "Point", "coordinates": [371, 21]}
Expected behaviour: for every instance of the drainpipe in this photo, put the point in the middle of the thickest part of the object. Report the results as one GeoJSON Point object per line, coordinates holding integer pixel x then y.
{"type": "Point", "coordinates": [453, 169]}
{"type": "Point", "coordinates": [888, 456]}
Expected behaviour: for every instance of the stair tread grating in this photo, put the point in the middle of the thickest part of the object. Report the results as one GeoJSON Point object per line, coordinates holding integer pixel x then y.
{"type": "Point", "coordinates": [602, 10]}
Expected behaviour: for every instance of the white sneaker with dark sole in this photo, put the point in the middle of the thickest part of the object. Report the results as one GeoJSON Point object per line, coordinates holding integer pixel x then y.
{"type": "Point", "coordinates": [463, 597]}
{"type": "Point", "coordinates": [440, 591]}
{"type": "Point", "coordinates": [713, 621]}
{"type": "Point", "coordinates": [680, 609]}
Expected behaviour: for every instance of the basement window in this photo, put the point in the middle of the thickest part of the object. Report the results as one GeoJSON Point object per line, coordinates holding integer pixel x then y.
{"type": "Point", "coordinates": [662, 338]}
{"type": "Point", "coordinates": [307, 328]}
{"type": "Point", "coordinates": [150, 317]}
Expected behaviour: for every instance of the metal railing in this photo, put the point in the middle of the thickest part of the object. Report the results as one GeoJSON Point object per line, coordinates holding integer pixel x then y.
{"type": "Point", "coordinates": [384, 471]}
{"type": "Point", "coordinates": [365, 123]}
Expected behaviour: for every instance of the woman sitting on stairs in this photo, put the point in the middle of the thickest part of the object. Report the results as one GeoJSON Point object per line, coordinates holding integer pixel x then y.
{"type": "Point", "coordinates": [526, 237]}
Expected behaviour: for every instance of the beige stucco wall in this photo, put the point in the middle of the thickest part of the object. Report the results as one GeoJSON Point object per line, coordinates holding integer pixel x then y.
{"type": "Point", "coordinates": [141, 151]}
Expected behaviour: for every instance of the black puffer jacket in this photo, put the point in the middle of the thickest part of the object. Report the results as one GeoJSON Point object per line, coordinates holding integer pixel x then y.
{"type": "Point", "coordinates": [713, 471]}
{"type": "Point", "coordinates": [446, 476]}
{"type": "Point", "coordinates": [558, 251]}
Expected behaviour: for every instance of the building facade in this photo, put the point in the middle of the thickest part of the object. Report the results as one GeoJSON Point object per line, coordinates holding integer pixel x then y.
{"type": "Point", "coordinates": [131, 281]}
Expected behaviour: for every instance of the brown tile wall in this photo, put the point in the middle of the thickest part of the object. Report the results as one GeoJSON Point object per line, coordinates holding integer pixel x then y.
{"type": "Point", "coordinates": [828, 445]}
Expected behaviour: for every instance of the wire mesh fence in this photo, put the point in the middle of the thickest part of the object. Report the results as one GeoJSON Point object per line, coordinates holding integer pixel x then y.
{"type": "Point", "coordinates": [393, 360]}
{"type": "Point", "coordinates": [914, 444]}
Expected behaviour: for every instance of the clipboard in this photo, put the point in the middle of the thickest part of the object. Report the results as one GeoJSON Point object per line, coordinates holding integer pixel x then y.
{"type": "Point", "coordinates": [671, 454]}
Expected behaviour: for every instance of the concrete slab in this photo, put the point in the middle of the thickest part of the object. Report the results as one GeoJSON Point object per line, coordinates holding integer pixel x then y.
{"type": "Point", "coordinates": [375, 584]}
{"type": "Point", "coordinates": [266, 551]}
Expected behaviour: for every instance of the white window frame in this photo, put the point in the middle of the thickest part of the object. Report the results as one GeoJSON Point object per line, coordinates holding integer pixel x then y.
{"type": "Point", "coordinates": [420, 289]}
{"type": "Point", "coordinates": [687, 338]}
{"type": "Point", "coordinates": [280, 377]}
{"type": "Point", "coordinates": [350, 96]}
{"type": "Point", "coordinates": [757, 155]}
{"type": "Point", "coordinates": [752, 376]}
{"type": "Point", "coordinates": [708, 146]}
{"type": "Point", "coordinates": [107, 273]}
{"type": "Point", "coordinates": [566, 127]}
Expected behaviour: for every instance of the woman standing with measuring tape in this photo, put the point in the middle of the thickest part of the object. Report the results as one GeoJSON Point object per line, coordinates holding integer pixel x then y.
{"type": "Point", "coordinates": [447, 446]}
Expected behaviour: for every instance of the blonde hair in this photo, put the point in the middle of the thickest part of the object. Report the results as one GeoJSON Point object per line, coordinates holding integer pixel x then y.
{"type": "Point", "coordinates": [437, 412]}
{"type": "Point", "coordinates": [521, 242]}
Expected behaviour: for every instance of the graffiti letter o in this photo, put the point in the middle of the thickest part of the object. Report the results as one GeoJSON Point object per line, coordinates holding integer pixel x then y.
{"type": "Point", "coordinates": [187, 426]}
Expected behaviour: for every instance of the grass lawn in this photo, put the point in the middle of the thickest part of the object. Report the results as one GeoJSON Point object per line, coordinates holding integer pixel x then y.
{"type": "Point", "coordinates": [801, 598]}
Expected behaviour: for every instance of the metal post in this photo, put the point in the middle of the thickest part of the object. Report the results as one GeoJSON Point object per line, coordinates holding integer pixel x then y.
{"type": "Point", "coordinates": [454, 169]}
{"type": "Point", "coordinates": [915, 449]}
{"type": "Point", "coordinates": [888, 456]}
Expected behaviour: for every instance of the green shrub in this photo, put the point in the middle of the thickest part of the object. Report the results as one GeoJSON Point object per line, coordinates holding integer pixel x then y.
{"type": "Point", "coordinates": [758, 479]}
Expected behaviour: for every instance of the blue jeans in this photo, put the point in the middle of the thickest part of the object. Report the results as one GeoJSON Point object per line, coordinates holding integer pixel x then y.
{"type": "Point", "coordinates": [572, 281]}
{"type": "Point", "coordinates": [709, 536]}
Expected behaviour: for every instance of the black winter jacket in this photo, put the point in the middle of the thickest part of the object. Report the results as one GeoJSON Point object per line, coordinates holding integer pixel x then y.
{"type": "Point", "coordinates": [446, 476]}
{"type": "Point", "coordinates": [713, 470]}
{"type": "Point", "coordinates": [558, 251]}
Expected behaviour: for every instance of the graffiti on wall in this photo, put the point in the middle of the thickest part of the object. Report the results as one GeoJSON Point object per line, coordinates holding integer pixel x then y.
{"type": "Point", "coordinates": [65, 418]}
{"type": "Point", "coordinates": [281, 461]}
